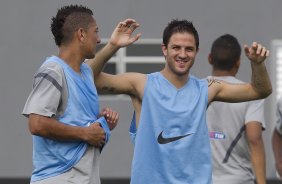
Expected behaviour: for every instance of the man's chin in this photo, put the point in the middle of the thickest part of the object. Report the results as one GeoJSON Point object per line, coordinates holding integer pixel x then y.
{"type": "Point", "coordinates": [182, 73]}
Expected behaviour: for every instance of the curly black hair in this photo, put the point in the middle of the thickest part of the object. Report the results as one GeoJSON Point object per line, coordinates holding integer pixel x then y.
{"type": "Point", "coordinates": [68, 20]}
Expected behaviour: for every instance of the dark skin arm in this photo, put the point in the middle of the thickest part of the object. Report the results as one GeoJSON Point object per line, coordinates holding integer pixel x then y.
{"type": "Point", "coordinates": [52, 129]}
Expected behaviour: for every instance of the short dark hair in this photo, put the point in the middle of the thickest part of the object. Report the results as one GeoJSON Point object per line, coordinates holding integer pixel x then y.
{"type": "Point", "coordinates": [180, 26]}
{"type": "Point", "coordinates": [225, 52]}
{"type": "Point", "coordinates": [68, 20]}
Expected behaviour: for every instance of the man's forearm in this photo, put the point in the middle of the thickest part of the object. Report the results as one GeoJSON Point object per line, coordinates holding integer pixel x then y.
{"type": "Point", "coordinates": [277, 150]}
{"type": "Point", "coordinates": [97, 64]}
{"type": "Point", "coordinates": [260, 80]}
{"type": "Point", "coordinates": [52, 129]}
{"type": "Point", "coordinates": [258, 161]}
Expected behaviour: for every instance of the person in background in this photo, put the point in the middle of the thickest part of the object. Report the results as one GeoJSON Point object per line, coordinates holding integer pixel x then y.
{"type": "Point", "coordinates": [277, 139]}
{"type": "Point", "coordinates": [235, 129]}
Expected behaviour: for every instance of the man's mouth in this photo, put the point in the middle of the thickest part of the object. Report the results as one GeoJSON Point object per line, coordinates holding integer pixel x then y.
{"type": "Point", "coordinates": [181, 61]}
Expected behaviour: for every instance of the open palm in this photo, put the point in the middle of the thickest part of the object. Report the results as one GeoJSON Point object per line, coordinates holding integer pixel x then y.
{"type": "Point", "coordinates": [122, 35]}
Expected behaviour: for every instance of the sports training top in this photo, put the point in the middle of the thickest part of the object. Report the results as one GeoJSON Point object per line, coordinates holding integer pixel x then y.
{"type": "Point", "coordinates": [172, 143]}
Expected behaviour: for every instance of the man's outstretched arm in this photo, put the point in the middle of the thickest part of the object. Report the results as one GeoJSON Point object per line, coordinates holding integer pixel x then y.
{"type": "Point", "coordinates": [121, 37]}
{"type": "Point", "coordinates": [260, 86]}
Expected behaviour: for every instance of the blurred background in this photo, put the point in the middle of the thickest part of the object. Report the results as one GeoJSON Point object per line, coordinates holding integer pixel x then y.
{"type": "Point", "coordinates": [26, 40]}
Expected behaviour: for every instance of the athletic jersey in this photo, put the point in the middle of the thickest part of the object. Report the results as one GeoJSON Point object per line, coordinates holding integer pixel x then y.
{"type": "Point", "coordinates": [278, 124]}
{"type": "Point", "coordinates": [230, 152]}
{"type": "Point", "coordinates": [52, 157]}
{"type": "Point", "coordinates": [172, 143]}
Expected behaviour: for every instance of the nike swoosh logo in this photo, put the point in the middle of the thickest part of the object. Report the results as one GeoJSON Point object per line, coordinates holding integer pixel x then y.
{"type": "Point", "coordinates": [162, 140]}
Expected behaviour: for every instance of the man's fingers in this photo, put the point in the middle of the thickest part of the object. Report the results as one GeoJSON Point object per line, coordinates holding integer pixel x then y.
{"type": "Point", "coordinates": [109, 114]}
{"type": "Point", "coordinates": [258, 49]}
{"type": "Point", "coordinates": [114, 117]}
{"type": "Point", "coordinates": [105, 111]}
{"type": "Point", "coordinates": [267, 53]}
{"type": "Point", "coordinates": [246, 48]}
{"type": "Point", "coordinates": [263, 52]}
{"type": "Point", "coordinates": [126, 23]}
{"type": "Point", "coordinates": [254, 45]}
{"type": "Point", "coordinates": [134, 25]}
{"type": "Point", "coordinates": [135, 38]}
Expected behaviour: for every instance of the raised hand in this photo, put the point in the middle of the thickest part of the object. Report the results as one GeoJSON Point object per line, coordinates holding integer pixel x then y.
{"type": "Point", "coordinates": [111, 116]}
{"type": "Point", "coordinates": [122, 35]}
{"type": "Point", "coordinates": [256, 53]}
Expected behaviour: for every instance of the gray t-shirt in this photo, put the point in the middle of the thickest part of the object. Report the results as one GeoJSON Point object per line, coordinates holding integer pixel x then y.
{"type": "Point", "coordinates": [230, 151]}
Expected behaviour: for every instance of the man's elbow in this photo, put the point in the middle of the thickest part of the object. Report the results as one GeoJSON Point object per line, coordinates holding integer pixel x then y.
{"type": "Point", "coordinates": [265, 93]}
{"type": "Point", "coordinates": [35, 126]}
{"type": "Point", "coordinates": [255, 140]}
{"type": "Point", "coordinates": [35, 130]}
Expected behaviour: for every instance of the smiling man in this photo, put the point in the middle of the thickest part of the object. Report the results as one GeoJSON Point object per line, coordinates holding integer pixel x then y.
{"type": "Point", "coordinates": [172, 143]}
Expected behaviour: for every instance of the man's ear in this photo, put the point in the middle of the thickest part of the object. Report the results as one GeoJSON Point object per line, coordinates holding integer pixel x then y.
{"type": "Point", "coordinates": [164, 49]}
{"type": "Point", "coordinates": [237, 64]}
{"type": "Point", "coordinates": [210, 58]}
{"type": "Point", "coordinates": [80, 34]}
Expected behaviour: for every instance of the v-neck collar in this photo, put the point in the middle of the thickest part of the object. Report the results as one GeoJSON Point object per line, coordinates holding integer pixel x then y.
{"type": "Point", "coordinates": [172, 85]}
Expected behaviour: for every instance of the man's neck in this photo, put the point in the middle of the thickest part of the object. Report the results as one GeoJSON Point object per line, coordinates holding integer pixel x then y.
{"type": "Point", "coordinates": [177, 80]}
{"type": "Point", "coordinates": [71, 57]}
{"type": "Point", "coordinates": [221, 73]}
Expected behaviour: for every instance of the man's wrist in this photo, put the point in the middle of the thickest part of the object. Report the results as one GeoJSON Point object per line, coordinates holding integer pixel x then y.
{"type": "Point", "coordinates": [82, 133]}
{"type": "Point", "coordinates": [112, 47]}
{"type": "Point", "coordinates": [255, 63]}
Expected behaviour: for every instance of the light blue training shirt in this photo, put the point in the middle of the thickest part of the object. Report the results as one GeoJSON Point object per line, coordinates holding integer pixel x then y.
{"type": "Point", "coordinates": [172, 142]}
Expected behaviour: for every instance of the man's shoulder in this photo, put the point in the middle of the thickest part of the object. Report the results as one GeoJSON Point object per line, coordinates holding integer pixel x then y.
{"type": "Point", "coordinates": [229, 79]}
{"type": "Point", "coordinates": [51, 68]}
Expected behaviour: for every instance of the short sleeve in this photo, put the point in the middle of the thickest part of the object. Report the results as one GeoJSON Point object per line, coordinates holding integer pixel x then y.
{"type": "Point", "coordinates": [46, 95]}
{"type": "Point", "coordinates": [278, 124]}
{"type": "Point", "coordinates": [255, 112]}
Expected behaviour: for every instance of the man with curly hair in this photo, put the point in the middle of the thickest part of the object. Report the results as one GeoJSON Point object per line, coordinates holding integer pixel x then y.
{"type": "Point", "coordinates": [63, 109]}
